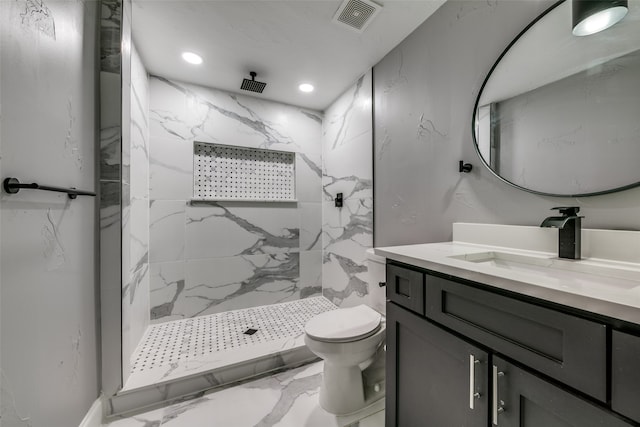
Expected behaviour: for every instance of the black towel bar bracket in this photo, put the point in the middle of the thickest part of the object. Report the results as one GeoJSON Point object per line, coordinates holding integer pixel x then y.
{"type": "Point", "coordinates": [12, 186]}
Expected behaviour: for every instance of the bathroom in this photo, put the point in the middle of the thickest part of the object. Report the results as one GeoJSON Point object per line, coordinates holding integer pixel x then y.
{"type": "Point", "coordinates": [54, 308]}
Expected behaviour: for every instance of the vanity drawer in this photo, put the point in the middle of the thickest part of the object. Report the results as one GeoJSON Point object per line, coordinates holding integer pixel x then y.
{"type": "Point", "coordinates": [405, 287]}
{"type": "Point", "coordinates": [625, 374]}
{"type": "Point", "coordinates": [567, 348]}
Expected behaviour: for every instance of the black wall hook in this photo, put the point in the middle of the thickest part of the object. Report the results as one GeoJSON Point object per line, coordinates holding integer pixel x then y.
{"type": "Point", "coordinates": [338, 200]}
{"type": "Point", "coordinates": [464, 167]}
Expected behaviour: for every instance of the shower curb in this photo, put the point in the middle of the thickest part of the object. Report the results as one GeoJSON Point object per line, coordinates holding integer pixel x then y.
{"type": "Point", "coordinates": [131, 402]}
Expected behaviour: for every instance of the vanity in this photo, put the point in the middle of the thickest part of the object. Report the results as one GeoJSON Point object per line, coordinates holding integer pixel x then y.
{"type": "Point", "coordinates": [507, 325]}
{"type": "Point", "coordinates": [494, 329]}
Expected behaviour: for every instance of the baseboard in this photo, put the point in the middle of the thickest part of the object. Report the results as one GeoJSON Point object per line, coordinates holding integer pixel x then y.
{"type": "Point", "coordinates": [94, 416]}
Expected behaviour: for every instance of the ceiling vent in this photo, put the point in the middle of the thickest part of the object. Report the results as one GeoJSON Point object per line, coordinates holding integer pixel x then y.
{"type": "Point", "coordinates": [356, 14]}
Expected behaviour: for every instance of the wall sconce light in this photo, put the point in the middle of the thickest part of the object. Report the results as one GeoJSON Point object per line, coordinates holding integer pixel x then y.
{"type": "Point", "coordinates": [593, 16]}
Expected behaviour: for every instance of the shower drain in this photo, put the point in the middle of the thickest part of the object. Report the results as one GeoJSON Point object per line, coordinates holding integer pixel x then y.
{"type": "Point", "coordinates": [180, 340]}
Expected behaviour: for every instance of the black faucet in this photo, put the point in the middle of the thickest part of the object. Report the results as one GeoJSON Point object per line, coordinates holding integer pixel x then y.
{"type": "Point", "coordinates": [569, 227]}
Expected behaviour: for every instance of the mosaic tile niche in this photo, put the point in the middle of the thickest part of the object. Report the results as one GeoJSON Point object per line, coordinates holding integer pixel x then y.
{"type": "Point", "coordinates": [230, 173]}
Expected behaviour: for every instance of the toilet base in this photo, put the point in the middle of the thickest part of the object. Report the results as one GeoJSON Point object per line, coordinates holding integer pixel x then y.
{"type": "Point", "coordinates": [341, 391]}
{"type": "Point", "coordinates": [351, 389]}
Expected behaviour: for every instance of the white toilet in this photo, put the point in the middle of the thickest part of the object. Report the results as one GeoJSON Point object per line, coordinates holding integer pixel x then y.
{"type": "Point", "coordinates": [351, 343]}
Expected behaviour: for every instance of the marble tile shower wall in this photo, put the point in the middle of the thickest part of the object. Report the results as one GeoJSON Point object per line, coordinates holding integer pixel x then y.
{"type": "Point", "coordinates": [347, 232]}
{"type": "Point", "coordinates": [216, 256]}
{"type": "Point", "coordinates": [135, 211]}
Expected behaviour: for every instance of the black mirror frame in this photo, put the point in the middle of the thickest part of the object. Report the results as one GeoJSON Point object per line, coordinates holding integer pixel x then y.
{"type": "Point", "coordinates": [474, 116]}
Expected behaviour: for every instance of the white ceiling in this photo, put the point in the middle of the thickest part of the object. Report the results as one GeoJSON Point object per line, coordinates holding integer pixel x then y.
{"type": "Point", "coordinates": [285, 42]}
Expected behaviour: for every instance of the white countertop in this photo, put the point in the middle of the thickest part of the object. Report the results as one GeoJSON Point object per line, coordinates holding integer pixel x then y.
{"type": "Point", "coordinates": [618, 298]}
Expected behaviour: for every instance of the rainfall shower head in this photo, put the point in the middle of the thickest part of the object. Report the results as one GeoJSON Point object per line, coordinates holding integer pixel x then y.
{"type": "Point", "coordinates": [252, 85]}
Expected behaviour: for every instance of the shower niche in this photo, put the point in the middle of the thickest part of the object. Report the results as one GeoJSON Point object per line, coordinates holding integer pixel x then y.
{"type": "Point", "coordinates": [234, 173]}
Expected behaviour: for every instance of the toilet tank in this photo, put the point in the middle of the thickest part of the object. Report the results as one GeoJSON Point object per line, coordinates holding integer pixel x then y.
{"type": "Point", "coordinates": [376, 266]}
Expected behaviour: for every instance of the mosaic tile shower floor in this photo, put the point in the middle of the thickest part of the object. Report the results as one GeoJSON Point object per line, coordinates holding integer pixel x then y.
{"type": "Point", "coordinates": [186, 347]}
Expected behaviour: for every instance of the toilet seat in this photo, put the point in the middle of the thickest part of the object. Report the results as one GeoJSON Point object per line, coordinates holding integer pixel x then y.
{"type": "Point", "coordinates": [344, 324]}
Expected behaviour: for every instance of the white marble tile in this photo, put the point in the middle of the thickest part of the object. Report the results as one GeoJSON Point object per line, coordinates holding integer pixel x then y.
{"type": "Point", "coordinates": [344, 282]}
{"type": "Point", "coordinates": [171, 169]}
{"type": "Point", "coordinates": [167, 230]}
{"type": "Point", "coordinates": [286, 399]}
{"type": "Point", "coordinates": [140, 303]}
{"type": "Point", "coordinates": [167, 111]}
{"type": "Point", "coordinates": [126, 233]}
{"type": "Point", "coordinates": [140, 84]}
{"type": "Point", "coordinates": [213, 285]}
{"type": "Point", "coordinates": [349, 116]}
{"type": "Point", "coordinates": [183, 113]}
{"type": "Point", "coordinates": [135, 303]}
{"type": "Point", "coordinates": [310, 226]}
{"type": "Point", "coordinates": [351, 187]}
{"type": "Point", "coordinates": [349, 169]}
{"type": "Point", "coordinates": [226, 229]}
{"type": "Point", "coordinates": [310, 273]}
{"type": "Point", "coordinates": [348, 143]}
{"type": "Point", "coordinates": [221, 284]}
{"type": "Point", "coordinates": [192, 112]}
{"type": "Point", "coordinates": [348, 231]}
{"type": "Point", "coordinates": [166, 285]}
{"type": "Point", "coordinates": [347, 234]}
{"type": "Point", "coordinates": [148, 419]}
{"type": "Point", "coordinates": [139, 233]}
{"type": "Point", "coordinates": [308, 178]}
{"type": "Point", "coordinates": [139, 170]}
{"type": "Point", "coordinates": [139, 131]}
{"type": "Point", "coordinates": [210, 281]}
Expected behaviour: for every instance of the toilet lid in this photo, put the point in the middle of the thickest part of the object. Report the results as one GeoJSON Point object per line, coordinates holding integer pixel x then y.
{"type": "Point", "coordinates": [344, 324]}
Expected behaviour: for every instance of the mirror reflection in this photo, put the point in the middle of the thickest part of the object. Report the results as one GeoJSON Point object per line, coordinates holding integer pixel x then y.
{"type": "Point", "coordinates": [559, 114]}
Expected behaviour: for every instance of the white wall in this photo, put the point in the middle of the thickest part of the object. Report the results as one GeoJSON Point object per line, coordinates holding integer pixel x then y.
{"type": "Point", "coordinates": [347, 232]}
{"type": "Point", "coordinates": [48, 339]}
{"type": "Point", "coordinates": [424, 94]}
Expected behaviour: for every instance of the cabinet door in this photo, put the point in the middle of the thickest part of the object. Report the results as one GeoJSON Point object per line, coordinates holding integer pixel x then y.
{"type": "Point", "coordinates": [436, 376]}
{"type": "Point", "coordinates": [625, 372]}
{"type": "Point", "coordinates": [529, 401]}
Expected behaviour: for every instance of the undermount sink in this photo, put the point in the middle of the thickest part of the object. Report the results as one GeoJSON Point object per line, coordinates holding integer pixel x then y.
{"type": "Point", "coordinates": [588, 272]}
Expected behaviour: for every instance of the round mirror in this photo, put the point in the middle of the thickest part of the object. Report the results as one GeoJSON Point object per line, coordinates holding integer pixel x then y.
{"type": "Point", "coordinates": [559, 114]}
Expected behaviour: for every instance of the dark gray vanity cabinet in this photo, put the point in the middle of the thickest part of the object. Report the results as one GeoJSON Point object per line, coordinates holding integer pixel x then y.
{"type": "Point", "coordinates": [625, 374]}
{"type": "Point", "coordinates": [440, 380]}
{"type": "Point", "coordinates": [483, 358]}
{"type": "Point", "coordinates": [527, 400]}
{"type": "Point", "coordinates": [559, 345]}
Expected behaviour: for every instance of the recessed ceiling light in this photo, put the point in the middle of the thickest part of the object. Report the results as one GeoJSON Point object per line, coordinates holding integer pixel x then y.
{"type": "Point", "coordinates": [192, 58]}
{"type": "Point", "coordinates": [306, 87]}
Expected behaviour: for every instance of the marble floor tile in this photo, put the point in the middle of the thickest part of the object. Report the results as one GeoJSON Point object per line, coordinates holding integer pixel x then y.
{"type": "Point", "coordinates": [286, 399]}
